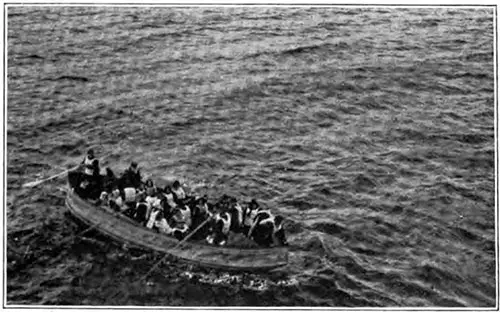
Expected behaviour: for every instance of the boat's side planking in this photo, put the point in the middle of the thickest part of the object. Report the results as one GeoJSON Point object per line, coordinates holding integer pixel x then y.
{"type": "Point", "coordinates": [123, 229]}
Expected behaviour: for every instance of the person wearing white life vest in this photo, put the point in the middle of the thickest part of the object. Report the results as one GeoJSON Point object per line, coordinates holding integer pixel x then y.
{"type": "Point", "coordinates": [220, 234]}
{"type": "Point", "coordinates": [130, 195]}
{"type": "Point", "coordinates": [90, 174]}
{"type": "Point", "coordinates": [183, 216]}
{"type": "Point", "coordinates": [152, 218]}
{"type": "Point", "coordinates": [178, 191]}
{"type": "Point", "coordinates": [90, 165]}
{"type": "Point", "coordinates": [150, 188]}
{"type": "Point", "coordinates": [257, 219]}
{"type": "Point", "coordinates": [164, 227]}
{"type": "Point", "coordinates": [103, 198]}
{"type": "Point", "coordinates": [115, 200]}
{"type": "Point", "coordinates": [180, 231]}
{"type": "Point", "coordinates": [167, 192]}
{"type": "Point", "coordinates": [154, 203]}
{"type": "Point", "coordinates": [267, 229]}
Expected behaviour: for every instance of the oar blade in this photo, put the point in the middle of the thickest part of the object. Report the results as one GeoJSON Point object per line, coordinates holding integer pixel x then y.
{"type": "Point", "coordinates": [32, 184]}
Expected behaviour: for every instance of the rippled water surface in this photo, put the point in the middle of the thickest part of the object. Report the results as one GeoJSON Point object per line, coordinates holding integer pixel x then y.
{"type": "Point", "coordinates": [371, 129]}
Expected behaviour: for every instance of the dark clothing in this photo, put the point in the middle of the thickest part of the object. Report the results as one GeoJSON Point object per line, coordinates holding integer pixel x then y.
{"type": "Point", "coordinates": [85, 186]}
{"type": "Point", "coordinates": [131, 179]}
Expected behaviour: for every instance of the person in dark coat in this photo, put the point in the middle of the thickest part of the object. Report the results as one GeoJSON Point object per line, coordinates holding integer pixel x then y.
{"type": "Point", "coordinates": [131, 177]}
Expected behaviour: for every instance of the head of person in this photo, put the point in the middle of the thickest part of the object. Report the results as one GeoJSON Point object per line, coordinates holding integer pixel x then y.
{"type": "Point", "coordinates": [109, 172]}
{"type": "Point", "coordinates": [167, 189]}
{"type": "Point", "coordinates": [90, 154]}
{"type": "Point", "coordinates": [134, 167]}
{"type": "Point", "coordinates": [253, 204]}
{"type": "Point", "coordinates": [176, 185]}
{"type": "Point", "coordinates": [149, 183]}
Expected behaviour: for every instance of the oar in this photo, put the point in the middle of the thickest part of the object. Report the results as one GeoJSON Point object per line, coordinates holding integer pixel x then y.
{"type": "Point", "coordinates": [38, 182]}
{"type": "Point", "coordinates": [115, 295]}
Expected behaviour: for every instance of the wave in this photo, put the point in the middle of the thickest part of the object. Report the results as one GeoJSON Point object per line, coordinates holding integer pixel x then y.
{"type": "Point", "coordinates": [73, 78]}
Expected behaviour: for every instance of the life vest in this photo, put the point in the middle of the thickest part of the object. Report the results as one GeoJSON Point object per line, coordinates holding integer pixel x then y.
{"type": "Point", "coordinates": [183, 215]}
{"type": "Point", "coordinates": [255, 220]}
{"type": "Point", "coordinates": [116, 198]}
{"type": "Point", "coordinates": [205, 209]}
{"type": "Point", "coordinates": [151, 190]}
{"type": "Point", "coordinates": [103, 196]}
{"type": "Point", "coordinates": [170, 200]}
{"type": "Point", "coordinates": [148, 210]}
{"type": "Point", "coordinates": [152, 219]}
{"type": "Point", "coordinates": [183, 228]}
{"type": "Point", "coordinates": [239, 209]}
{"type": "Point", "coordinates": [226, 222]}
{"type": "Point", "coordinates": [164, 226]}
{"type": "Point", "coordinates": [179, 193]}
{"type": "Point", "coordinates": [89, 166]}
{"type": "Point", "coordinates": [130, 194]}
{"type": "Point", "coordinates": [271, 220]}
{"type": "Point", "coordinates": [210, 239]}
{"type": "Point", "coordinates": [153, 201]}
{"type": "Point", "coordinates": [250, 216]}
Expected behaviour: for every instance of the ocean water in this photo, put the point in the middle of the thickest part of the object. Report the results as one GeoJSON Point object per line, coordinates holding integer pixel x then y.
{"type": "Point", "coordinates": [371, 129]}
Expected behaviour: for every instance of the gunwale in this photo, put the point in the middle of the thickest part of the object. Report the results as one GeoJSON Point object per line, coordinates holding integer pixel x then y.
{"type": "Point", "coordinates": [123, 229]}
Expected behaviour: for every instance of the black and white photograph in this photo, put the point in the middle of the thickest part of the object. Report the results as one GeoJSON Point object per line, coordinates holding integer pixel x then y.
{"type": "Point", "coordinates": [250, 155]}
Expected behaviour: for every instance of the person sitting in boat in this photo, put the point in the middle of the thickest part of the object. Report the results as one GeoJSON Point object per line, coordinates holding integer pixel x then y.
{"type": "Point", "coordinates": [182, 215]}
{"type": "Point", "coordinates": [109, 180]}
{"type": "Point", "coordinates": [156, 215]}
{"type": "Point", "coordinates": [158, 222]}
{"type": "Point", "coordinates": [132, 176]}
{"type": "Point", "coordinates": [268, 230]}
{"type": "Point", "coordinates": [180, 231]}
{"type": "Point", "coordinates": [251, 211]}
{"type": "Point", "coordinates": [163, 226]}
{"type": "Point", "coordinates": [115, 200]}
{"type": "Point", "coordinates": [178, 192]}
{"type": "Point", "coordinates": [154, 203]}
{"type": "Point", "coordinates": [200, 212]}
{"type": "Point", "coordinates": [130, 201]}
{"type": "Point", "coordinates": [142, 209]}
{"type": "Point", "coordinates": [103, 198]}
{"type": "Point", "coordinates": [169, 196]}
{"type": "Point", "coordinates": [220, 228]}
{"type": "Point", "coordinates": [150, 188]}
{"type": "Point", "coordinates": [167, 202]}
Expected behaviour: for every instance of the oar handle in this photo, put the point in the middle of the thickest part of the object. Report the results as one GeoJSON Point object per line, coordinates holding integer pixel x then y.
{"type": "Point", "coordinates": [35, 183]}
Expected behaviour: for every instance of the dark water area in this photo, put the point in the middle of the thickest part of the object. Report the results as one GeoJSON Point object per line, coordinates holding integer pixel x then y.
{"type": "Point", "coordinates": [370, 129]}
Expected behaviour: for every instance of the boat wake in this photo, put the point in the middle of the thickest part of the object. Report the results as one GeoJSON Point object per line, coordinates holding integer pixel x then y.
{"type": "Point", "coordinates": [245, 281]}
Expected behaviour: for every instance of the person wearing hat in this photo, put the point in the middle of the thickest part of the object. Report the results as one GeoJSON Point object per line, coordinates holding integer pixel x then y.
{"type": "Point", "coordinates": [132, 176]}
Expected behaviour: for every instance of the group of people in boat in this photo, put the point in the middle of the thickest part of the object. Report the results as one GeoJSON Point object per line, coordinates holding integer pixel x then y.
{"type": "Point", "coordinates": [170, 210]}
